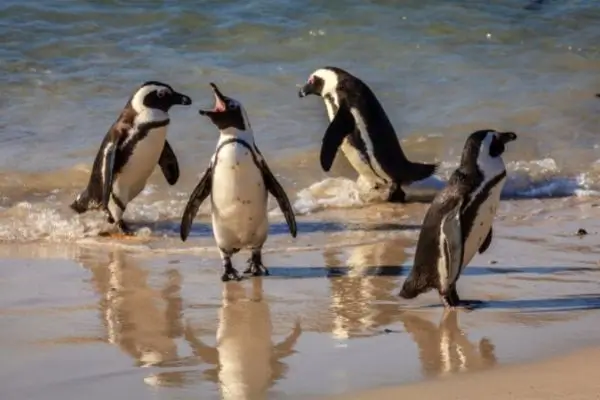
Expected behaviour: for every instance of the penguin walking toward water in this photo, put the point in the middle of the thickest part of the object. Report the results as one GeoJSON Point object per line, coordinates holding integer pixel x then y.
{"type": "Point", "coordinates": [134, 144]}
{"type": "Point", "coordinates": [459, 221]}
{"type": "Point", "coordinates": [238, 181]}
{"type": "Point", "coordinates": [360, 126]}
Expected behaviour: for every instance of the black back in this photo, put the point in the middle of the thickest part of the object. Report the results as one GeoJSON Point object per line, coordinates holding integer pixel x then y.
{"type": "Point", "coordinates": [386, 146]}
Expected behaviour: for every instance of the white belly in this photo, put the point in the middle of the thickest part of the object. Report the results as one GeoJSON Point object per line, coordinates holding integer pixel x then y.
{"type": "Point", "coordinates": [135, 173]}
{"type": "Point", "coordinates": [482, 224]}
{"type": "Point", "coordinates": [239, 200]}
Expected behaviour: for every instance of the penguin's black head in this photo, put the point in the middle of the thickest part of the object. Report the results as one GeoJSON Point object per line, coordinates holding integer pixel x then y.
{"type": "Point", "coordinates": [158, 96]}
{"type": "Point", "coordinates": [323, 81]}
{"type": "Point", "coordinates": [227, 112]}
{"type": "Point", "coordinates": [483, 147]}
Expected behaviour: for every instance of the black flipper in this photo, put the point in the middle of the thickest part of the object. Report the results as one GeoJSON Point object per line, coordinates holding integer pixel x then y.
{"type": "Point", "coordinates": [342, 125]}
{"type": "Point", "coordinates": [168, 164]}
{"type": "Point", "coordinates": [199, 194]}
{"type": "Point", "coordinates": [453, 242]}
{"type": "Point", "coordinates": [108, 164]}
{"type": "Point", "coordinates": [82, 203]}
{"type": "Point", "coordinates": [277, 191]}
{"type": "Point", "coordinates": [486, 243]}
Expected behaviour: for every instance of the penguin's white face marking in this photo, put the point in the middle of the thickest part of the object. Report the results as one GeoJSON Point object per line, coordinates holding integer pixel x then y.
{"type": "Point", "coordinates": [323, 82]}
{"type": "Point", "coordinates": [329, 78]}
{"type": "Point", "coordinates": [153, 100]}
{"type": "Point", "coordinates": [146, 114]}
{"type": "Point", "coordinates": [489, 165]}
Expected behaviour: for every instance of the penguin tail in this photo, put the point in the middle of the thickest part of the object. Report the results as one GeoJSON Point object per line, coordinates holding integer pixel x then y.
{"type": "Point", "coordinates": [419, 171]}
{"type": "Point", "coordinates": [413, 286]}
{"type": "Point", "coordinates": [82, 203]}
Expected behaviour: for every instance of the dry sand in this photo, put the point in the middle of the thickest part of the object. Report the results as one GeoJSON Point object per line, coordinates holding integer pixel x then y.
{"type": "Point", "coordinates": [572, 377]}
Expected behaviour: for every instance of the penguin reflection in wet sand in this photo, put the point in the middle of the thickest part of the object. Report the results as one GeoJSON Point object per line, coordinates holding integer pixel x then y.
{"type": "Point", "coordinates": [238, 181]}
{"type": "Point", "coordinates": [134, 144]}
{"type": "Point", "coordinates": [459, 221]}
{"type": "Point", "coordinates": [361, 127]}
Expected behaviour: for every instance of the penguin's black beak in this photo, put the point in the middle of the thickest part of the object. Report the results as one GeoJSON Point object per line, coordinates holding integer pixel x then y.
{"type": "Point", "coordinates": [506, 137]}
{"type": "Point", "coordinates": [220, 102]}
{"type": "Point", "coordinates": [180, 99]}
{"type": "Point", "coordinates": [307, 89]}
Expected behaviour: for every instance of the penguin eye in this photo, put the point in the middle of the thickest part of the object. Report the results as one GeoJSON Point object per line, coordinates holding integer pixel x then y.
{"type": "Point", "coordinates": [232, 105]}
{"type": "Point", "coordinates": [161, 93]}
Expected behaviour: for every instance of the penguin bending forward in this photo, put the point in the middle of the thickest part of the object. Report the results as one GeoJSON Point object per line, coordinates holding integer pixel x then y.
{"type": "Point", "coordinates": [360, 126]}
{"type": "Point", "coordinates": [459, 221]}
{"type": "Point", "coordinates": [134, 144]}
{"type": "Point", "coordinates": [238, 181]}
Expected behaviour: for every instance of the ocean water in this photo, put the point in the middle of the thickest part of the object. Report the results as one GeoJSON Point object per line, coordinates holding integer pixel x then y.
{"type": "Point", "coordinates": [441, 70]}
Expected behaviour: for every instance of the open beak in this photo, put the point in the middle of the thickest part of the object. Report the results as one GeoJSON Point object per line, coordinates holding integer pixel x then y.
{"type": "Point", "coordinates": [220, 102]}
{"type": "Point", "coordinates": [181, 99]}
{"type": "Point", "coordinates": [506, 137]}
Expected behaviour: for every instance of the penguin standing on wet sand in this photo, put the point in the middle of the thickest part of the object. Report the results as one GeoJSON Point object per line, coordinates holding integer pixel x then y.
{"type": "Point", "coordinates": [361, 127]}
{"type": "Point", "coordinates": [238, 181]}
{"type": "Point", "coordinates": [133, 146]}
{"type": "Point", "coordinates": [459, 221]}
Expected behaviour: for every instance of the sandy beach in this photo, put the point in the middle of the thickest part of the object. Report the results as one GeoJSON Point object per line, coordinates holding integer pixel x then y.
{"type": "Point", "coordinates": [147, 317]}
{"type": "Point", "coordinates": [571, 377]}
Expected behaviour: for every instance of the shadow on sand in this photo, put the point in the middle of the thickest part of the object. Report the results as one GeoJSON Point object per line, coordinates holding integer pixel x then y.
{"type": "Point", "coordinates": [203, 230]}
{"type": "Point", "coordinates": [402, 270]}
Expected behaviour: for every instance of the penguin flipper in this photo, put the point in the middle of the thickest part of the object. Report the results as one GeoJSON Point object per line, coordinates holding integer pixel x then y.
{"type": "Point", "coordinates": [168, 164]}
{"type": "Point", "coordinates": [341, 126]}
{"type": "Point", "coordinates": [277, 191]}
{"type": "Point", "coordinates": [200, 193]}
{"type": "Point", "coordinates": [108, 164]}
{"type": "Point", "coordinates": [453, 242]}
{"type": "Point", "coordinates": [486, 243]}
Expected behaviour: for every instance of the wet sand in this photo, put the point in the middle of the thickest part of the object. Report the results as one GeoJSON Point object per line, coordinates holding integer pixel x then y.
{"type": "Point", "coordinates": [150, 317]}
{"type": "Point", "coordinates": [572, 377]}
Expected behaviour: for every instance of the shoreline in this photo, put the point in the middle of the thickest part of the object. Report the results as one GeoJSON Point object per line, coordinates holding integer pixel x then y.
{"type": "Point", "coordinates": [543, 379]}
{"type": "Point", "coordinates": [157, 303]}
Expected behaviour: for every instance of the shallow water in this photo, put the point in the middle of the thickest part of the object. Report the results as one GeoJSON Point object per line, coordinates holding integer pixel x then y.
{"type": "Point", "coordinates": [441, 71]}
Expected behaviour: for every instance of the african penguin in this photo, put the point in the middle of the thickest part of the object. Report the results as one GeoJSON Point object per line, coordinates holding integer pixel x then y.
{"type": "Point", "coordinates": [361, 127]}
{"type": "Point", "coordinates": [459, 221]}
{"type": "Point", "coordinates": [133, 146]}
{"type": "Point", "coordinates": [238, 181]}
